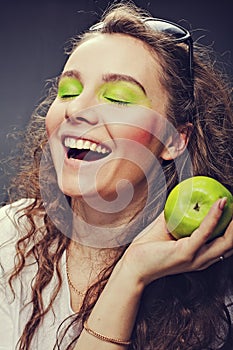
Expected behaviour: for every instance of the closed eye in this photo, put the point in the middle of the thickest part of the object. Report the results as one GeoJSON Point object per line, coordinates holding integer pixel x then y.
{"type": "Point", "coordinates": [66, 96]}
{"type": "Point", "coordinates": [69, 87]}
{"type": "Point", "coordinates": [120, 102]}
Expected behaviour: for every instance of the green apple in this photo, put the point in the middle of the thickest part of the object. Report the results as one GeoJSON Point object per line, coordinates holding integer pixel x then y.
{"type": "Point", "coordinates": [189, 202]}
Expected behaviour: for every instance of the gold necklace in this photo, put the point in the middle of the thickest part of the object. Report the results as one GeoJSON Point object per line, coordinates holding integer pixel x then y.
{"type": "Point", "coordinates": [78, 292]}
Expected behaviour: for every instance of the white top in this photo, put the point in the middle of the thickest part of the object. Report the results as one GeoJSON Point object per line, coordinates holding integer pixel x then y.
{"type": "Point", "coordinates": [14, 312]}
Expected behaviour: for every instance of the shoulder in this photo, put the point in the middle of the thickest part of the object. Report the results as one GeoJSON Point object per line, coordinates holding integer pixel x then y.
{"type": "Point", "coordinates": [10, 231]}
{"type": "Point", "coordinates": [9, 216]}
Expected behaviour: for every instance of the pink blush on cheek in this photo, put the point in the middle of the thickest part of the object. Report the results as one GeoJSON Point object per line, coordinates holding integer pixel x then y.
{"type": "Point", "coordinates": [142, 136]}
{"type": "Point", "coordinates": [139, 136]}
{"type": "Point", "coordinates": [138, 124]}
{"type": "Point", "coordinates": [135, 134]}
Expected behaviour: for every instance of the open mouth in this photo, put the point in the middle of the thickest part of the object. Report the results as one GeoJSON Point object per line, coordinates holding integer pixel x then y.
{"type": "Point", "coordinates": [86, 150]}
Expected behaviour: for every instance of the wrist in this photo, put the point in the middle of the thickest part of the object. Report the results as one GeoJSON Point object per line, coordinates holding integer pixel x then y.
{"type": "Point", "coordinates": [121, 295]}
{"type": "Point", "coordinates": [127, 279]}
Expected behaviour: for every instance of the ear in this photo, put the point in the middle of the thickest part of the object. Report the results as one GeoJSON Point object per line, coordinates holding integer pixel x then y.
{"type": "Point", "coordinates": [177, 143]}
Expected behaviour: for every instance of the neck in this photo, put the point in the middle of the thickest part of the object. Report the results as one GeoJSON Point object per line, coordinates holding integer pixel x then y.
{"type": "Point", "coordinates": [91, 264]}
{"type": "Point", "coordinates": [90, 261]}
{"type": "Point", "coordinates": [91, 256]}
{"type": "Point", "coordinates": [101, 224]}
{"type": "Point", "coordinates": [116, 210]}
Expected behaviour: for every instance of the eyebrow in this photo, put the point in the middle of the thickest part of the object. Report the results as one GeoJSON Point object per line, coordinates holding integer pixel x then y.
{"type": "Point", "coordinates": [123, 77]}
{"type": "Point", "coordinates": [71, 73]}
{"type": "Point", "coordinates": [106, 78]}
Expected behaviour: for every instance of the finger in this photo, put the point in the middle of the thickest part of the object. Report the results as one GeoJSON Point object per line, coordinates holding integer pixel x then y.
{"type": "Point", "coordinates": [223, 244]}
{"type": "Point", "coordinates": [219, 259]}
{"type": "Point", "coordinates": [228, 254]}
{"type": "Point", "coordinates": [220, 247]}
{"type": "Point", "coordinates": [228, 235]}
{"type": "Point", "coordinates": [202, 234]}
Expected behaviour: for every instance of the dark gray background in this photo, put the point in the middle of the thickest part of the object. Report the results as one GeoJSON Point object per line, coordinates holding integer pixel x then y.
{"type": "Point", "coordinates": [34, 33]}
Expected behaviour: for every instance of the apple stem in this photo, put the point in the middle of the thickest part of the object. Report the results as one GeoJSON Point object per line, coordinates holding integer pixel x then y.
{"type": "Point", "coordinates": [197, 208]}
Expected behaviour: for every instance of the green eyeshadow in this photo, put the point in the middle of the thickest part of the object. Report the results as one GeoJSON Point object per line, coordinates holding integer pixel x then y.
{"type": "Point", "coordinates": [123, 92]}
{"type": "Point", "coordinates": [69, 87]}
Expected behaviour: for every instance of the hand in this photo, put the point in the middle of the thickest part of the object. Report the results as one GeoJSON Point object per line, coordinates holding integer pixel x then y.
{"type": "Point", "coordinates": [155, 253]}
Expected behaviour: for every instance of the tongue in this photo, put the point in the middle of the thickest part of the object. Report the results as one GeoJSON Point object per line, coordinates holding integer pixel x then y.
{"type": "Point", "coordinates": [86, 155]}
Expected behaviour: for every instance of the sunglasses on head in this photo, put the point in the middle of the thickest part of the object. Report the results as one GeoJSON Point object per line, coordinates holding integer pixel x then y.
{"type": "Point", "coordinates": [178, 33]}
{"type": "Point", "coordinates": [175, 31]}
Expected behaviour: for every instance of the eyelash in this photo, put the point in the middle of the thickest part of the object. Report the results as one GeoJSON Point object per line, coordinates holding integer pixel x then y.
{"type": "Point", "coordinates": [121, 103]}
{"type": "Point", "coordinates": [68, 96]}
{"type": "Point", "coordinates": [118, 102]}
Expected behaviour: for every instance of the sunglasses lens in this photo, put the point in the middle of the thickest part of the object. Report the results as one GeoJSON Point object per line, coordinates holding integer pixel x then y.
{"type": "Point", "coordinates": [167, 28]}
{"type": "Point", "coordinates": [179, 33]}
{"type": "Point", "coordinates": [96, 27]}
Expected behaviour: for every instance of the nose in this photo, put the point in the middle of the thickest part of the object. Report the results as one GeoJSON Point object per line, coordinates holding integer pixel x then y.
{"type": "Point", "coordinates": [78, 111]}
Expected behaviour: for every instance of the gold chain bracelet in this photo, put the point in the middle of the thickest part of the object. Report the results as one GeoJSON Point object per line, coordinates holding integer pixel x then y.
{"type": "Point", "coordinates": [105, 338]}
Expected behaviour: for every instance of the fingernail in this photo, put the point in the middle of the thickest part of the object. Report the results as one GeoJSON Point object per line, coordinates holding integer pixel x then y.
{"type": "Point", "coordinates": [222, 203]}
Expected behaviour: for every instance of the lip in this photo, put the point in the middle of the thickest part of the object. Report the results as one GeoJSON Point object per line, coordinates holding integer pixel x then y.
{"type": "Point", "coordinates": [75, 163]}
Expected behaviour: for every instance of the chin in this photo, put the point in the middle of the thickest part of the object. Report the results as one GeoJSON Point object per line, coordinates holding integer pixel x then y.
{"type": "Point", "coordinates": [71, 188]}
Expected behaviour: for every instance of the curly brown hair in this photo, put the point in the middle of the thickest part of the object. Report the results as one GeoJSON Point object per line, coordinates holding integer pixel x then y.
{"type": "Point", "coordinates": [185, 311]}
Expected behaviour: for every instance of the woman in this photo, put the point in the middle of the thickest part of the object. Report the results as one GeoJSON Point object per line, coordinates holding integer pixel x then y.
{"type": "Point", "coordinates": [86, 259]}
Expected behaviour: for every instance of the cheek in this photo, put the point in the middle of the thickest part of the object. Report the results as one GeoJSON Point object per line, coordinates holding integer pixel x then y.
{"type": "Point", "coordinates": [54, 118]}
{"type": "Point", "coordinates": [149, 141]}
{"type": "Point", "coordinates": [141, 125]}
{"type": "Point", "coordinates": [132, 133]}
{"type": "Point", "coordinates": [141, 136]}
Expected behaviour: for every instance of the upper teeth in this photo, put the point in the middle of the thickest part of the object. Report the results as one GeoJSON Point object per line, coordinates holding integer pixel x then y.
{"type": "Point", "coordinates": [84, 144]}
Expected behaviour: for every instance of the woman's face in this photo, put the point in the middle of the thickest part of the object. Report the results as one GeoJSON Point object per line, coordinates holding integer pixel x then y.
{"type": "Point", "coordinates": [97, 133]}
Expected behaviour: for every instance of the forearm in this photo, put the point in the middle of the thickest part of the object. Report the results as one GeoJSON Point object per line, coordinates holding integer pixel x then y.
{"type": "Point", "coordinates": [114, 313]}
